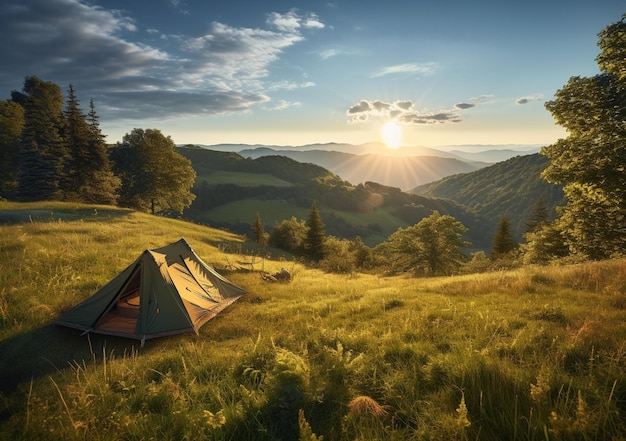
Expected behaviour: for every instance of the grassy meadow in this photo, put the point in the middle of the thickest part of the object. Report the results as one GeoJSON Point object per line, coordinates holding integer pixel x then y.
{"type": "Point", "coordinates": [537, 353]}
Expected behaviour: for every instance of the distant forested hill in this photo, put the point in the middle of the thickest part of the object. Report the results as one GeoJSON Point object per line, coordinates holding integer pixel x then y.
{"type": "Point", "coordinates": [230, 190]}
{"type": "Point", "coordinates": [403, 172]}
{"type": "Point", "coordinates": [511, 187]}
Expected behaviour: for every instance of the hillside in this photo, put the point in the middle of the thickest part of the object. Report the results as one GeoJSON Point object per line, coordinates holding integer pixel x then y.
{"type": "Point", "coordinates": [231, 190]}
{"type": "Point", "coordinates": [394, 170]}
{"type": "Point", "coordinates": [506, 355]}
{"type": "Point", "coordinates": [511, 187]}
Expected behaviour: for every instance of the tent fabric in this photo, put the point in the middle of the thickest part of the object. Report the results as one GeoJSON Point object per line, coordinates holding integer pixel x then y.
{"type": "Point", "coordinates": [165, 291]}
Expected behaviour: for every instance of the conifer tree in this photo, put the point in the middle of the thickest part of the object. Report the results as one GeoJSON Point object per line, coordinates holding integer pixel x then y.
{"type": "Point", "coordinates": [11, 125]}
{"type": "Point", "coordinates": [43, 152]}
{"type": "Point", "coordinates": [259, 231]}
{"type": "Point", "coordinates": [503, 242]}
{"type": "Point", "coordinates": [76, 134]}
{"type": "Point", "coordinates": [315, 236]}
{"type": "Point", "coordinates": [539, 216]}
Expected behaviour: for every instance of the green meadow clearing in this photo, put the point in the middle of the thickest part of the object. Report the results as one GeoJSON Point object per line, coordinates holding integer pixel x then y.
{"type": "Point", "coordinates": [536, 353]}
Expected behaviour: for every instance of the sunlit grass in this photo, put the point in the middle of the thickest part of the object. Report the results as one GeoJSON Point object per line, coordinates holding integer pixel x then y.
{"type": "Point", "coordinates": [535, 353]}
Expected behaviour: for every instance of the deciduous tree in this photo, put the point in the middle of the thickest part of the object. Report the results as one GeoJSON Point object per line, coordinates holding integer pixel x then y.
{"type": "Point", "coordinates": [154, 176]}
{"type": "Point", "coordinates": [430, 247]}
{"type": "Point", "coordinates": [591, 162]}
{"type": "Point", "coordinates": [289, 235]}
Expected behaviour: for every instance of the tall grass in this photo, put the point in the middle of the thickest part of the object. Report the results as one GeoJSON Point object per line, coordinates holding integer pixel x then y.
{"type": "Point", "coordinates": [535, 353]}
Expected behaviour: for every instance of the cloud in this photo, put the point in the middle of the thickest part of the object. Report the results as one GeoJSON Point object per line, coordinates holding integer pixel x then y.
{"type": "Point", "coordinates": [473, 102]}
{"type": "Point", "coordinates": [406, 69]}
{"type": "Point", "coordinates": [328, 53]}
{"type": "Point", "coordinates": [282, 105]}
{"type": "Point", "coordinates": [529, 99]}
{"type": "Point", "coordinates": [100, 52]}
{"type": "Point", "coordinates": [404, 112]}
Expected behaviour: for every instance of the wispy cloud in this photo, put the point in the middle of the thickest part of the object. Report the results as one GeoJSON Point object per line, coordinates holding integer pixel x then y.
{"type": "Point", "coordinates": [473, 102]}
{"type": "Point", "coordinates": [283, 104]}
{"type": "Point", "coordinates": [222, 70]}
{"type": "Point", "coordinates": [406, 69]}
{"type": "Point", "coordinates": [405, 112]}
{"type": "Point", "coordinates": [529, 99]}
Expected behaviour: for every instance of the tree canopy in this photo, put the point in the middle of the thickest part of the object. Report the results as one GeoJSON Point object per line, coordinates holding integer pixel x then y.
{"type": "Point", "coordinates": [430, 247]}
{"type": "Point", "coordinates": [154, 177]}
{"type": "Point", "coordinates": [591, 162]}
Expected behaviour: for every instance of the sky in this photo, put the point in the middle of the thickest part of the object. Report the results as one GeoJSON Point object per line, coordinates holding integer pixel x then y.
{"type": "Point", "coordinates": [304, 72]}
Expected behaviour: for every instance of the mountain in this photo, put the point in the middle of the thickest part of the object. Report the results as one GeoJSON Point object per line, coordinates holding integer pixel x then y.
{"type": "Point", "coordinates": [394, 170]}
{"type": "Point", "coordinates": [404, 167]}
{"type": "Point", "coordinates": [510, 187]}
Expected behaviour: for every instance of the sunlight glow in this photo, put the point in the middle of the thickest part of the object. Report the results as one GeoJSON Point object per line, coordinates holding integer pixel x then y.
{"type": "Point", "coordinates": [391, 134]}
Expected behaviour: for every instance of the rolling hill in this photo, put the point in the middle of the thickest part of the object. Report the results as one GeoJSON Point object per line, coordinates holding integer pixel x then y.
{"type": "Point", "coordinates": [510, 187]}
{"type": "Point", "coordinates": [230, 190]}
{"type": "Point", "coordinates": [404, 172]}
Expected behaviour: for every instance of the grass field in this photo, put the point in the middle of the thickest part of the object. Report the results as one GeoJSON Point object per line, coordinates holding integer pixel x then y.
{"type": "Point", "coordinates": [536, 353]}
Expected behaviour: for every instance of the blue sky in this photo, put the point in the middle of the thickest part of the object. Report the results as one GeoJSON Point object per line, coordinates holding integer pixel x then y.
{"type": "Point", "coordinates": [302, 72]}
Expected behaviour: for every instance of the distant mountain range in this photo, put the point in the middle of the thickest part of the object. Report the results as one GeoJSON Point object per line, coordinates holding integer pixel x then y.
{"type": "Point", "coordinates": [404, 168]}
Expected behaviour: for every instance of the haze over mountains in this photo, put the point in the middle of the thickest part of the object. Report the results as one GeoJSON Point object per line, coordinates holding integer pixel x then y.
{"type": "Point", "coordinates": [404, 168]}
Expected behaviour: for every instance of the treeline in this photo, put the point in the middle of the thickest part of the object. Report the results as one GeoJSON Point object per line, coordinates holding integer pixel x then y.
{"type": "Point", "coordinates": [51, 150]}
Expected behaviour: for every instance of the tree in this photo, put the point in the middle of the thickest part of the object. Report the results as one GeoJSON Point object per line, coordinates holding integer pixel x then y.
{"type": "Point", "coordinates": [43, 152]}
{"type": "Point", "coordinates": [260, 236]}
{"type": "Point", "coordinates": [430, 247]}
{"type": "Point", "coordinates": [315, 236]}
{"type": "Point", "coordinates": [154, 176]}
{"type": "Point", "coordinates": [545, 244]}
{"type": "Point", "coordinates": [11, 125]}
{"type": "Point", "coordinates": [591, 162]}
{"type": "Point", "coordinates": [289, 235]}
{"type": "Point", "coordinates": [101, 185]}
{"type": "Point", "coordinates": [503, 242]}
{"type": "Point", "coordinates": [89, 174]}
{"type": "Point", "coordinates": [539, 216]}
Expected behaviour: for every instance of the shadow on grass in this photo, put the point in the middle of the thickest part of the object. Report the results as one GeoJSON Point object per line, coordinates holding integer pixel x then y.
{"type": "Point", "coordinates": [60, 215]}
{"type": "Point", "coordinates": [53, 348]}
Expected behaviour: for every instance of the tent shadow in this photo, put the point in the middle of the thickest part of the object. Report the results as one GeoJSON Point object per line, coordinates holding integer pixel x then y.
{"type": "Point", "coordinates": [54, 348]}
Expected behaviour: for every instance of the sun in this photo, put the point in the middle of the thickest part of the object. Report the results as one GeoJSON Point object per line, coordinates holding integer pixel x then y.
{"type": "Point", "coordinates": [391, 134]}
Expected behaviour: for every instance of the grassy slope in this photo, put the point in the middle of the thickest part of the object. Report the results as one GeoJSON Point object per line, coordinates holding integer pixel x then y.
{"type": "Point", "coordinates": [508, 355]}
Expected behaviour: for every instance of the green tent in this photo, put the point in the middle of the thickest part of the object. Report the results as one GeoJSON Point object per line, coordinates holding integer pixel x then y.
{"type": "Point", "coordinates": [166, 291]}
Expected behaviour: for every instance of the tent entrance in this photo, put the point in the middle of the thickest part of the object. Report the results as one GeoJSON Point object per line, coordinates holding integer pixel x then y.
{"type": "Point", "coordinates": [124, 313]}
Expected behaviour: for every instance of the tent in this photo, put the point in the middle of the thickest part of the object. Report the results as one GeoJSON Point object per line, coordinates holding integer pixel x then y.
{"type": "Point", "coordinates": [166, 291]}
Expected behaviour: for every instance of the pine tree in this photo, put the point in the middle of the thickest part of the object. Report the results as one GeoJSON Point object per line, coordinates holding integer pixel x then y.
{"type": "Point", "coordinates": [259, 231]}
{"type": "Point", "coordinates": [539, 216]}
{"type": "Point", "coordinates": [43, 152]}
{"type": "Point", "coordinates": [503, 242]}
{"type": "Point", "coordinates": [76, 134]}
{"type": "Point", "coordinates": [103, 186]}
{"type": "Point", "coordinates": [11, 125]}
{"type": "Point", "coordinates": [315, 234]}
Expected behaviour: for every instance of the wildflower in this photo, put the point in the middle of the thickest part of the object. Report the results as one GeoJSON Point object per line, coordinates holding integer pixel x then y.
{"type": "Point", "coordinates": [462, 419]}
